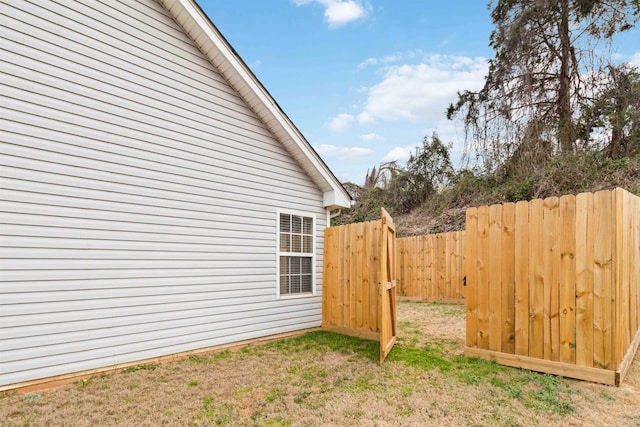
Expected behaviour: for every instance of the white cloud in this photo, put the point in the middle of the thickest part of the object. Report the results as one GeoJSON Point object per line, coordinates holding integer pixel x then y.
{"type": "Point", "coordinates": [384, 60]}
{"type": "Point", "coordinates": [334, 151]}
{"type": "Point", "coordinates": [341, 122]}
{"type": "Point", "coordinates": [635, 59]}
{"type": "Point", "coordinates": [340, 12]}
{"type": "Point", "coordinates": [415, 53]}
{"type": "Point", "coordinates": [422, 92]}
{"type": "Point", "coordinates": [367, 62]}
{"type": "Point", "coordinates": [401, 154]}
{"type": "Point", "coordinates": [391, 58]}
{"type": "Point", "coordinates": [365, 118]}
{"type": "Point", "coordinates": [371, 137]}
{"type": "Point", "coordinates": [448, 133]}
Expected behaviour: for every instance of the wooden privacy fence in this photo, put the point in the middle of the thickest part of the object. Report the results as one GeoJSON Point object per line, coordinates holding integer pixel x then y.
{"type": "Point", "coordinates": [430, 267]}
{"type": "Point", "coordinates": [554, 285]}
{"type": "Point", "coordinates": [358, 284]}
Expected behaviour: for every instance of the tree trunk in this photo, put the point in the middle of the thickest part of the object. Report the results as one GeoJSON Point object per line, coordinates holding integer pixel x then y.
{"type": "Point", "coordinates": [616, 146]}
{"type": "Point", "coordinates": [566, 134]}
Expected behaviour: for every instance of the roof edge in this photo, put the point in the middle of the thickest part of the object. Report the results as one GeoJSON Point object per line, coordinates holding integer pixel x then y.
{"type": "Point", "coordinates": [195, 22]}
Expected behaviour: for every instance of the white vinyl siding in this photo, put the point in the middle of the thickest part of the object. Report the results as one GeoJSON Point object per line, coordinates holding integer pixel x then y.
{"type": "Point", "coordinates": [138, 194]}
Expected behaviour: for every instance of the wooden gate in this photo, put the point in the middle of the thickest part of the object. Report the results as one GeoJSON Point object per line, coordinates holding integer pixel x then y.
{"type": "Point", "coordinates": [358, 283]}
{"type": "Point", "coordinates": [387, 286]}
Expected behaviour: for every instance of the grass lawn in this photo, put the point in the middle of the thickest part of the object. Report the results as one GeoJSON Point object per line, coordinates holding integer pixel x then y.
{"type": "Point", "coordinates": [323, 378]}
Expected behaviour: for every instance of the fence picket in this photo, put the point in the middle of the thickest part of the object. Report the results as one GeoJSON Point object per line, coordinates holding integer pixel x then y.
{"type": "Point", "coordinates": [441, 254]}
{"type": "Point", "coordinates": [536, 280]}
{"type": "Point", "coordinates": [374, 274]}
{"type": "Point", "coordinates": [522, 278]}
{"type": "Point", "coordinates": [603, 280]}
{"type": "Point", "coordinates": [550, 279]}
{"type": "Point", "coordinates": [507, 315]}
{"type": "Point", "coordinates": [633, 248]}
{"type": "Point", "coordinates": [343, 263]}
{"type": "Point", "coordinates": [483, 277]}
{"type": "Point", "coordinates": [494, 286]}
{"type": "Point", "coordinates": [470, 249]}
{"type": "Point", "coordinates": [461, 291]}
{"type": "Point", "coordinates": [567, 279]}
{"type": "Point", "coordinates": [428, 289]}
{"type": "Point", "coordinates": [419, 269]}
{"type": "Point", "coordinates": [617, 243]}
{"type": "Point", "coordinates": [585, 239]}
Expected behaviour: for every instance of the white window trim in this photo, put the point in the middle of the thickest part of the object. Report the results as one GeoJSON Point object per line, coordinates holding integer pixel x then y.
{"type": "Point", "coordinates": [278, 254]}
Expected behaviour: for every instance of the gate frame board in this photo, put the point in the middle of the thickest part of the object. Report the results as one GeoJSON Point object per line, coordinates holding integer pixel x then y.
{"type": "Point", "coordinates": [387, 306]}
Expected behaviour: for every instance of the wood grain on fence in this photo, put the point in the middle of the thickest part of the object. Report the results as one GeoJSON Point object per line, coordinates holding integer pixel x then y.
{"type": "Point", "coordinates": [351, 279]}
{"type": "Point", "coordinates": [556, 280]}
{"type": "Point", "coordinates": [430, 267]}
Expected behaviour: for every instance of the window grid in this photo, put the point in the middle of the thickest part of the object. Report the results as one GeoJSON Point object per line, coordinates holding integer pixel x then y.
{"type": "Point", "coordinates": [296, 234]}
{"type": "Point", "coordinates": [295, 275]}
{"type": "Point", "coordinates": [296, 254]}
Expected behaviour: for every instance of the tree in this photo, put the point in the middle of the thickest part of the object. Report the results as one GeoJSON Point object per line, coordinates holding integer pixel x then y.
{"type": "Point", "coordinates": [430, 167]}
{"type": "Point", "coordinates": [426, 171]}
{"type": "Point", "coordinates": [382, 175]}
{"type": "Point", "coordinates": [616, 110]}
{"type": "Point", "coordinates": [544, 70]}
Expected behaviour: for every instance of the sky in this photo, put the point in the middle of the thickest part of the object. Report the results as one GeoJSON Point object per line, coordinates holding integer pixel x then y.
{"type": "Point", "coordinates": [365, 81]}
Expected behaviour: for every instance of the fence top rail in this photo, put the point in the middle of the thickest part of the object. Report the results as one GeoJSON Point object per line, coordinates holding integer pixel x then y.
{"type": "Point", "coordinates": [366, 223]}
{"type": "Point", "coordinates": [385, 218]}
{"type": "Point", "coordinates": [617, 189]}
{"type": "Point", "coordinates": [420, 236]}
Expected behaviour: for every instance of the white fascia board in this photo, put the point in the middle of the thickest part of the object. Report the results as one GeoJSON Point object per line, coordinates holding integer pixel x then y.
{"type": "Point", "coordinates": [235, 70]}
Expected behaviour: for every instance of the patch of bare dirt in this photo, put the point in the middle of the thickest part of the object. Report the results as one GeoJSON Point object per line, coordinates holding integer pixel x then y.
{"type": "Point", "coordinates": [444, 325]}
{"type": "Point", "coordinates": [417, 223]}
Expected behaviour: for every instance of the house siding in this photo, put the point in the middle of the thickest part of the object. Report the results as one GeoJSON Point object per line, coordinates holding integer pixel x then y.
{"type": "Point", "coordinates": [138, 195]}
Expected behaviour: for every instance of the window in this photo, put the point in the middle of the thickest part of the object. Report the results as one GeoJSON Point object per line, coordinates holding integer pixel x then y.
{"type": "Point", "coordinates": [295, 254]}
